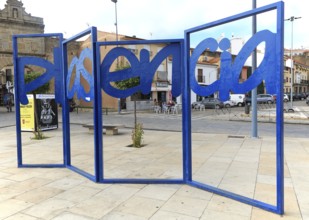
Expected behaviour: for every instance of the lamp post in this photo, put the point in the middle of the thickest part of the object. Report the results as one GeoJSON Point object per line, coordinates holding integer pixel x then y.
{"type": "Point", "coordinates": [116, 24]}
{"type": "Point", "coordinates": [254, 127]}
{"type": "Point", "coordinates": [292, 18]}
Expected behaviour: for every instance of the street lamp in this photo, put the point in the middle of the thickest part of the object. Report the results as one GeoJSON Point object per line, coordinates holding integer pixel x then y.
{"type": "Point", "coordinates": [254, 127]}
{"type": "Point", "coordinates": [116, 24]}
{"type": "Point", "coordinates": [291, 54]}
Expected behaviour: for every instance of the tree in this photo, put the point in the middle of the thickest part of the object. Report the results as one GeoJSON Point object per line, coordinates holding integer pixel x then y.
{"type": "Point", "coordinates": [41, 90]}
{"type": "Point", "coordinates": [137, 133]}
{"type": "Point", "coordinates": [261, 88]}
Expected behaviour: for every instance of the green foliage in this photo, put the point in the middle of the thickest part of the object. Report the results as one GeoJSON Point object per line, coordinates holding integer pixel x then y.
{"type": "Point", "coordinates": [38, 135]}
{"type": "Point", "coordinates": [261, 88]}
{"type": "Point", "coordinates": [137, 135]}
{"type": "Point", "coordinates": [127, 83]}
{"type": "Point", "coordinates": [41, 90]}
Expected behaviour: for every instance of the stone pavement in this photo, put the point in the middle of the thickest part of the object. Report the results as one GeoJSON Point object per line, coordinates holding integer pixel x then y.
{"type": "Point", "coordinates": [7, 118]}
{"type": "Point", "coordinates": [236, 163]}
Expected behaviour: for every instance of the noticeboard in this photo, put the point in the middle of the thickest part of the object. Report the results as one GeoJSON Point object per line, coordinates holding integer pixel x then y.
{"type": "Point", "coordinates": [27, 120]}
{"type": "Point", "coordinates": [47, 111]}
{"type": "Point", "coordinates": [46, 117]}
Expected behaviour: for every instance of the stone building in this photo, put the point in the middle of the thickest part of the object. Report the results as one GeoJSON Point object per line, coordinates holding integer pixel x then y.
{"type": "Point", "coordinates": [300, 76]}
{"type": "Point", "coordinates": [206, 73]}
{"type": "Point", "coordinates": [15, 20]}
{"type": "Point", "coordinates": [161, 88]}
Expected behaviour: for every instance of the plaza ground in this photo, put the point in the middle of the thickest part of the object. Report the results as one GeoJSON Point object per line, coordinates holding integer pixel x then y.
{"type": "Point", "coordinates": [239, 164]}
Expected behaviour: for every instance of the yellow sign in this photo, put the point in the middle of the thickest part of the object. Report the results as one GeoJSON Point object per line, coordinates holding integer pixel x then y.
{"type": "Point", "coordinates": [27, 115]}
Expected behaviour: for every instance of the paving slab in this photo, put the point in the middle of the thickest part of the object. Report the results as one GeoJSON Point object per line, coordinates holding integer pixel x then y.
{"type": "Point", "coordinates": [242, 165]}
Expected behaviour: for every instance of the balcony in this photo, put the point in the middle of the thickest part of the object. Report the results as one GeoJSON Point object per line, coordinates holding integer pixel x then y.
{"type": "Point", "coordinates": [161, 76]}
{"type": "Point", "coordinates": [162, 84]}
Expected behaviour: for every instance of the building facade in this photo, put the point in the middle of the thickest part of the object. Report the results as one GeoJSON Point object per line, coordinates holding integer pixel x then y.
{"type": "Point", "coordinates": [300, 77]}
{"type": "Point", "coordinates": [160, 89]}
{"type": "Point", "coordinates": [15, 20]}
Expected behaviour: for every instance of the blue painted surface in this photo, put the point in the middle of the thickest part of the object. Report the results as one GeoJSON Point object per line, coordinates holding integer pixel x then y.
{"type": "Point", "coordinates": [186, 113]}
{"type": "Point", "coordinates": [143, 68]}
{"type": "Point", "coordinates": [183, 81]}
{"type": "Point", "coordinates": [21, 88]}
{"type": "Point", "coordinates": [279, 111]}
{"type": "Point", "coordinates": [234, 196]}
{"type": "Point", "coordinates": [77, 88]}
{"type": "Point", "coordinates": [143, 181]}
{"type": "Point", "coordinates": [270, 70]}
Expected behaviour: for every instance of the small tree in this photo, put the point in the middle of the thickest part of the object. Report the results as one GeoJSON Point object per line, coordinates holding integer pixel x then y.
{"type": "Point", "coordinates": [137, 133]}
{"type": "Point", "coordinates": [38, 134]}
{"type": "Point", "coordinates": [41, 90]}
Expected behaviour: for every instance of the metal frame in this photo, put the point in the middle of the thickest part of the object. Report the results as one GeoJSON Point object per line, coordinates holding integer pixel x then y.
{"type": "Point", "coordinates": [279, 208]}
{"type": "Point", "coordinates": [99, 67]}
{"type": "Point", "coordinates": [17, 62]}
{"type": "Point", "coordinates": [97, 108]}
{"type": "Point", "coordinates": [186, 110]}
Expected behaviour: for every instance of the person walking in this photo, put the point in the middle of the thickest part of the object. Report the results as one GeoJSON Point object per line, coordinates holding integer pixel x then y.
{"type": "Point", "coordinates": [8, 101]}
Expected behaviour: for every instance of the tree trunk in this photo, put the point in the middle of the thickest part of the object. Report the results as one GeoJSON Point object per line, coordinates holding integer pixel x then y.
{"type": "Point", "coordinates": [135, 118]}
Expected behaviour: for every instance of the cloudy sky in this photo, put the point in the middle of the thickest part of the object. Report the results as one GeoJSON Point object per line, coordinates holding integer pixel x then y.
{"type": "Point", "coordinates": [160, 19]}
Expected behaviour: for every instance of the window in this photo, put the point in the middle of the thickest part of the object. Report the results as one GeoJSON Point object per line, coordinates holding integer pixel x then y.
{"type": "Point", "coordinates": [133, 49]}
{"type": "Point", "coordinates": [9, 76]}
{"type": "Point", "coordinates": [15, 13]}
{"type": "Point", "coordinates": [161, 76]}
{"type": "Point", "coordinates": [200, 77]}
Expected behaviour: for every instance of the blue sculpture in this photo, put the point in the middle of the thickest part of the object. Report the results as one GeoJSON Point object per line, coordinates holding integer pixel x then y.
{"type": "Point", "coordinates": [142, 68]}
{"type": "Point", "coordinates": [77, 87]}
{"type": "Point", "coordinates": [52, 71]}
{"type": "Point", "coordinates": [229, 72]}
{"type": "Point", "coordinates": [183, 80]}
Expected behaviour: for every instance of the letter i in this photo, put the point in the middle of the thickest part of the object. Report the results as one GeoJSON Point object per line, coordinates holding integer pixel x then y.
{"type": "Point", "coordinates": [225, 70]}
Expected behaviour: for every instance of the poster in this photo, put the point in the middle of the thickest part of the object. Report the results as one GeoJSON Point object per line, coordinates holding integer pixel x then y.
{"type": "Point", "coordinates": [47, 112]}
{"type": "Point", "coordinates": [27, 115]}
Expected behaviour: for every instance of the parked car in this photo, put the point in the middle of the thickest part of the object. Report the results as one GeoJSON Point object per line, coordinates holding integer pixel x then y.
{"type": "Point", "coordinates": [285, 97]}
{"type": "Point", "coordinates": [262, 98]}
{"type": "Point", "coordinates": [301, 96]}
{"type": "Point", "coordinates": [239, 99]}
{"type": "Point", "coordinates": [297, 96]}
{"type": "Point", "coordinates": [209, 103]}
{"type": "Point", "coordinates": [288, 95]}
{"type": "Point", "coordinates": [307, 100]}
{"type": "Point", "coordinates": [229, 103]}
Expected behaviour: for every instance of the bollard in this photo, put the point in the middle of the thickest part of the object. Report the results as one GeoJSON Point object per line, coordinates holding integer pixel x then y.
{"type": "Point", "coordinates": [247, 109]}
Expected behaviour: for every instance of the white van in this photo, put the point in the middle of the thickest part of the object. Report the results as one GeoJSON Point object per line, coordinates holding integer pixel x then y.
{"type": "Point", "coordinates": [239, 99]}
